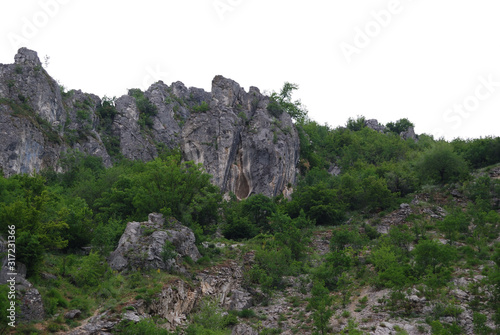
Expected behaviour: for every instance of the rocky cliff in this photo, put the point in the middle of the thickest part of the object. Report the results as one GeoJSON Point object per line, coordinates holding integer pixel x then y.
{"type": "Point", "coordinates": [229, 130]}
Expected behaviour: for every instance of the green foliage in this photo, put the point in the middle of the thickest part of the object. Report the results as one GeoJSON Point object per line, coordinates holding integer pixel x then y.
{"type": "Point", "coordinates": [147, 110]}
{"type": "Point", "coordinates": [479, 152]}
{"type": "Point", "coordinates": [320, 302]}
{"type": "Point", "coordinates": [317, 197]}
{"type": "Point", "coordinates": [454, 224]}
{"type": "Point", "coordinates": [106, 112]}
{"type": "Point", "coordinates": [248, 217]}
{"type": "Point", "coordinates": [441, 165]}
{"type": "Point", "coordinates": [4, 305]}
{"type": "Point", "coordinates": [399, 126]}
{"type": "Point", "coordinates": [179, 188]}
{"type": "Point", "coordinates": [273, 262]}
{"type": "Point", "coordinates": [208, 320]}
{"type": "Point", "coordinates": [143, 327]}
{"type": "Point", "coordinates": [356, 124]}
{"type": "Point", "coordinates": [293, 234]}
{"type": "Point", "coordinates": [91, 271]}
{"type": "Point", "coordinates": [201, 108]}
{"type": "Point", "coordinates": [38, 229]}
{"type": "Point", "coordinates": [331, 270]}
{"type": "Point", "coordinates": [439, 329]}
{"type": "Point", "coordinates": [282, 102]}
{"type": "Point", "coordinates": [168, 252]}
{"type": "Point", "coordinates": [430, 254]}
{"type": "Point", "coordinates": [346, 236]}
{"type": "Point", "coordinates": [480, 327]}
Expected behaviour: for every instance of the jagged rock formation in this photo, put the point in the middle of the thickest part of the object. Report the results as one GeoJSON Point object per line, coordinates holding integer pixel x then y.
{"type": "Point", "coordinates": [405, 135]}
{"type": "Point", "coordinates": [142, 245]}
{"type": "Point", "coordinates": [230, 131]}
{"type": "Point", "coordinates": [178, 298]}
{"type": "Point", "coordinates": [373, 124]}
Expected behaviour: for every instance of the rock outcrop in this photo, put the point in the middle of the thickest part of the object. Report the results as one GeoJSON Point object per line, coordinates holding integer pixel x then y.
{"type": "Point", "coordinates": [245, 148]}
{"type": "Point", "coordinates": [223, 283]}
{"type": "Point", "coordinates": [230, 131]}
{"type": "Point", "coordinates": [144, 245]}
{"type": "Point", "coordinates": [373, 124]}
{"type": "Point", "coordinates": [37, 124]}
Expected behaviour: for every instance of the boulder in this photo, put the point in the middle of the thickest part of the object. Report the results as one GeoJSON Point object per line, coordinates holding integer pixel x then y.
{"type": "Point", "coordinates": [142, 245]}
{"type": "Point", "coordinates": [74, 313]}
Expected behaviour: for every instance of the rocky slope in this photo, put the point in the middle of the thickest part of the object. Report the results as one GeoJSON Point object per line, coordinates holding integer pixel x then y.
{"type": "Point", "coordinates": [229, 130]}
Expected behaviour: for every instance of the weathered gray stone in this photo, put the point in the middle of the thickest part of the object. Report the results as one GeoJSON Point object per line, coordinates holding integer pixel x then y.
{"type": "Point", "coordinates": [244, 329]}
{"type": "Point", "coordinates": [32, 306]}
{"type": "Point", "coordinates": [225, 284]}
{"type": "Point", "coordinates": [373, 124]}
{"type": "Point", "coordinates": [244, 148]}
{"type": "Point", "coordinates": [141, 245]}
{"type": "Point", "coordinates": [409, 134]}
{"type": "Point", "coordinates": [74, 313]}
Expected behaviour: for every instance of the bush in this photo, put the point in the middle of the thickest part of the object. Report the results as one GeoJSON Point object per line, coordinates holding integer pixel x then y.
{"type": "Point", "coordinates": [208, 320]}
{"type": "Point", "coordinates": [203, 107]}
{"type": "Point", "coordinates": [431, 254]}
{"type": "Point", "coordinates": [147, 110]}
{"type": "Point", "coordinates": [441, 165]}
{"type": "Point", "coordinates": [91, 270]}
{"type": "Point", "coordinates": [356, 124]}
{"type": "Point", "coordinates": [143, 327]}
{"type": "Point", "coordinates": [399, 126]}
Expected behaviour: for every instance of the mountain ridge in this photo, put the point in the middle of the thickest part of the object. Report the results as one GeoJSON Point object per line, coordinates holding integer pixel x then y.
{"type": "Point", "coordinates": [230, 131]}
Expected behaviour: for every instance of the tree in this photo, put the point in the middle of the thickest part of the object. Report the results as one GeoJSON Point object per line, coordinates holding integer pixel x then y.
{"type": "Point", "coordinates": [356, 124]}
{"type": "Point", "coordinates": [346, 236]}
{"type": "Point", "coordinates": [320, 303]}
{"type": "Point", "coordinates": [282, 102]}
{"type": "Point", "coordinates": [399, 126]}
{"type": "Point", "coordinates": [453, 224]}
{"type": "Point", "coordinates": [38, 229]}
{"type": "Point", "coordinates": [441, 165]}
{"type": "Point", "coordinates": [430, 254]}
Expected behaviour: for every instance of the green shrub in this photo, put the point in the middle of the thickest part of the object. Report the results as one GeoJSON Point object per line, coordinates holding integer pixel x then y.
{"type": "Point", "coordinates": [203, 107]}
{"type": "Point", "coordinates": [143, 327]}
{"type": "Point", "coordinates": [246, 313]}
{"type": "Point", "coordinates": [91, 271]}
{"type": "Point", "coordinates": [168, 252]}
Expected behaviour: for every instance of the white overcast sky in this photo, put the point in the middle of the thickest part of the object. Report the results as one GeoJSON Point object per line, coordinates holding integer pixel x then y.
{"type": "Point", "coordinates": [436, 63]}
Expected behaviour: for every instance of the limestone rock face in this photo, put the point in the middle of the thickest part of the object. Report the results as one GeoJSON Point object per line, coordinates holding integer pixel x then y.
{"type": "Point", "coordinates": [38, 124]}
{"type": "Point", "coordinates": [175, 302]}
{"type": "Point", "coordinates": [373, 124]}
{"type": "Point", "coordinates": [142, 245]}
{"type": "Point", "coordinates": [409, 134]}
{"type": "Point", "coordinates": [245, 148]}
{"type": "Point", "coordinates": [223, 283]}
{"type": "Point", "coordinates": [133, 145]}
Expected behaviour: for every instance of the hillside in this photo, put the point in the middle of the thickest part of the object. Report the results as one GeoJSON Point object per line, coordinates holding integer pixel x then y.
{"type": "Point", "coordinates": [178, 211]}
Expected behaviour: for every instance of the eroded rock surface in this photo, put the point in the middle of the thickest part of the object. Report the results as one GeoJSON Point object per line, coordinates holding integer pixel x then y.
{"type": "Point", "coordinates": [229, 130]}
{"type": "Point", "coordinates": [142, 245]}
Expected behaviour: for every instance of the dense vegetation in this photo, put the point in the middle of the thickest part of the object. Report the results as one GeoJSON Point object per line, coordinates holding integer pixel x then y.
{"type": "Point", "coordinates": [58, 213]}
